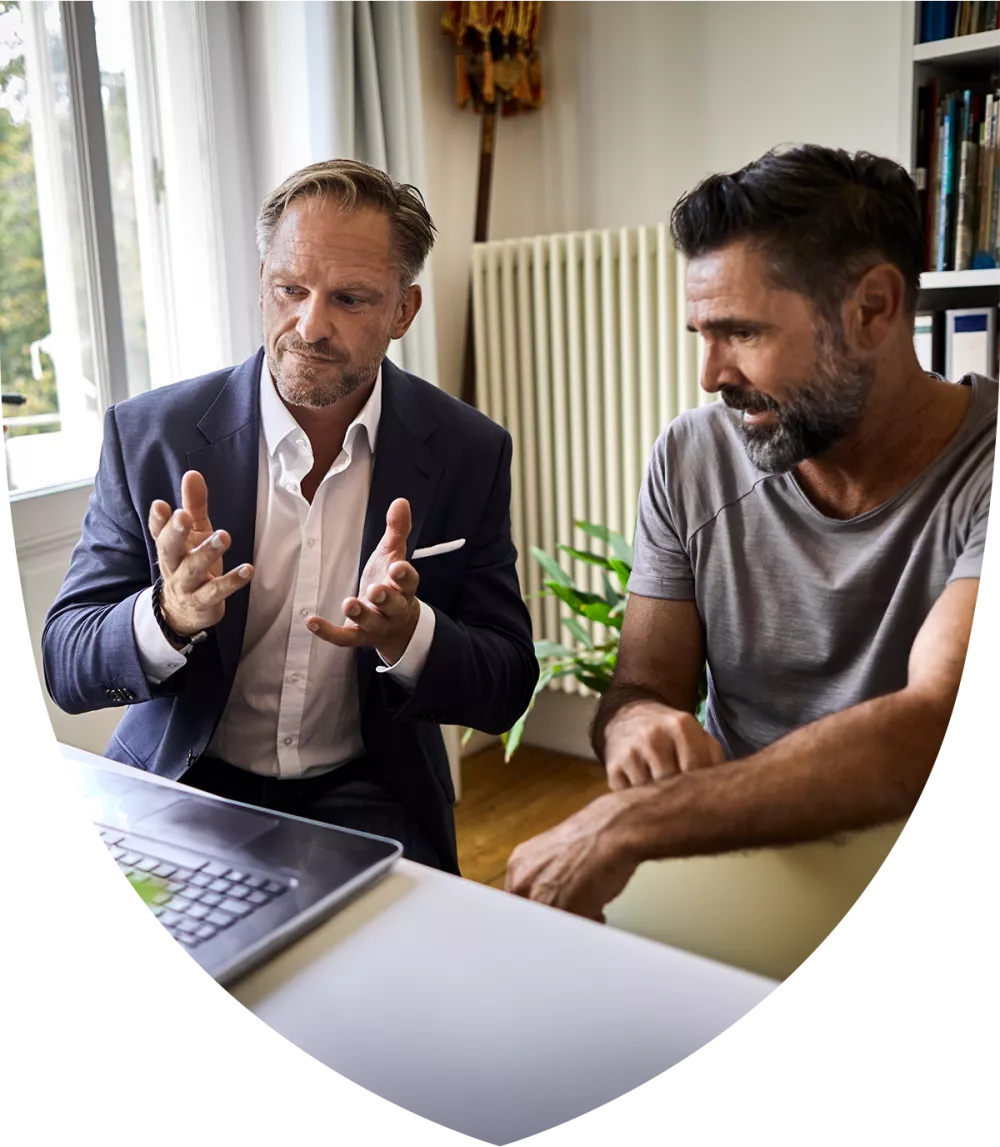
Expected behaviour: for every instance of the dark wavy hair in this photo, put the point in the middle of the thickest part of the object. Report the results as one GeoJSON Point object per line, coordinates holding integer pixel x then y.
{"type": "Point", "coordinates": [821, 216]}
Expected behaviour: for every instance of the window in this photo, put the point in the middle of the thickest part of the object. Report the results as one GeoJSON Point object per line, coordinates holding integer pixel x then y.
{"type": "Point", "coordinates": [109, 212]}
{"type": "Point", "coordinates": [47, 336]}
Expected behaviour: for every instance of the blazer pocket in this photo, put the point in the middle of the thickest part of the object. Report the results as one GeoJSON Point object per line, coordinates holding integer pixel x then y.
{"type": "Point", "coordinates": [440, 566]}
{"type": "Point", "coordinates": [421, 553]}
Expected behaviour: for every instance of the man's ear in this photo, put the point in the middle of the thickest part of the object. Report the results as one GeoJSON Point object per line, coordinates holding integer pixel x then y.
{"type": "Point", "coordinates": [874, 307]}
{"type": "Point", "coordinates": [407, 311]}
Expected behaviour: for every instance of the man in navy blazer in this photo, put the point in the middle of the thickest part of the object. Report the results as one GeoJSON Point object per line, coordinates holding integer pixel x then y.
{"type": "Point", "coordinates": [236, 516]}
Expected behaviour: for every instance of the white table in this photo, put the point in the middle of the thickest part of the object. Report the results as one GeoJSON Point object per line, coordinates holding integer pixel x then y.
{"type": "Point", "coordinates": [486, 1013]}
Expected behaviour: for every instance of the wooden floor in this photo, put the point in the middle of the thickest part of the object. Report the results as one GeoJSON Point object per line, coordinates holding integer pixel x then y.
{"type": "Point", "coordinates": [504, 804]}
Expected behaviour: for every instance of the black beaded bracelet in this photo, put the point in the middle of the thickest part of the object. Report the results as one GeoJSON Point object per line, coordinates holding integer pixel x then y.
{"type": "Point", "coordinates": [176, 639]}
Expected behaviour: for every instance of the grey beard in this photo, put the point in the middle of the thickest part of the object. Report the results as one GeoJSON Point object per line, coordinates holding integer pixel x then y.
{"type": "Point", "coordinates": [822, 414]}
{"type": "Point", "coordinates": [305, 391]}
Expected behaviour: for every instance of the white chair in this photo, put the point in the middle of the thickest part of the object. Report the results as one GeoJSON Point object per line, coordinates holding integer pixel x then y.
{"type": "Point", "coordinates": [765, 911]}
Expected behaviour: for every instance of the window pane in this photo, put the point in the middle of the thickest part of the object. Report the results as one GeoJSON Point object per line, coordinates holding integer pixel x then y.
{"type": "Point", "coordinates": [118, 88]}
{"type": "Point", "coordinates": [46, 336]}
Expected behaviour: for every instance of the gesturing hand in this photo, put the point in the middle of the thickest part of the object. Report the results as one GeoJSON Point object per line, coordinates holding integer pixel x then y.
{"type": "Point", "coordinates": [385, 613]}
{"type": "Point", "coordinates": [190, 553]}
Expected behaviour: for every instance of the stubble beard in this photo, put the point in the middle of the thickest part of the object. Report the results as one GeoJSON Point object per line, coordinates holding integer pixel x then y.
{"type": "Point", "coordinates": [311, 386]}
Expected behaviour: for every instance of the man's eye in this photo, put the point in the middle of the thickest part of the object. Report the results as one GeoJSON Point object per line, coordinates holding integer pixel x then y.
{"type": "Point", "coordinates": [743, 336]}
{"type": "Point", "coordinates": [348, 300]}
{"type": "Point", "coordinates": [285, 290]}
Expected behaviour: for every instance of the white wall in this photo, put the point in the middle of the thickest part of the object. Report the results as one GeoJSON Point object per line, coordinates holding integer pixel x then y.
{"type": "Point", "coordinates": [804, 73]}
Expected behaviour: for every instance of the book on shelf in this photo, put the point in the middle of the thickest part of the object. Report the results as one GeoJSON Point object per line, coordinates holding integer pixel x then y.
{"type": "Point", "coordinates": [966, 198]}
{"type": "Point", "coordinates": [922, 166]}
{"type": "Point", "coordinates": [935, 128]}
{"type": "Point", "coordinates": [974, 16]}
{"type": "Point", "coordinates": [943, 21]}
{"type": "Point", "coordinates": [937, 21]}
{"type": "Point", "coordinates": [957, 173]}
{"type": "Point", "coordinates": [945, 248]}
{"type": "Point", "coordinates": [987, 164]}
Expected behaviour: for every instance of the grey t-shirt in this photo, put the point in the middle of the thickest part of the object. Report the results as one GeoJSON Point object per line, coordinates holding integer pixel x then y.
{"type": "Point", "coordinates": [804, 614]}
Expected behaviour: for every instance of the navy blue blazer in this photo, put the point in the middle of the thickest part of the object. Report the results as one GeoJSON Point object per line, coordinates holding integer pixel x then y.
{"type": "Point", "coordinates": [450, 462]}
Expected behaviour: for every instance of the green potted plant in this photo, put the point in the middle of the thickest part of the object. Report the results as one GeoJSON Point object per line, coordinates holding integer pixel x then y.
{"type": "Point", "coordinates": [591, 664]}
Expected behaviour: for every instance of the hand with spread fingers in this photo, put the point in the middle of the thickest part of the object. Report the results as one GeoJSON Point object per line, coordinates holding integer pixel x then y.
{"type": "Point", "coordinates": [189, 552]}
{"type": "Point", "coordinates": [386, 610]}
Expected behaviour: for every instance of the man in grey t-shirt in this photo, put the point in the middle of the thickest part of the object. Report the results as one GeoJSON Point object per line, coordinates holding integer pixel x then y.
{"type": "Point", "coordinates": [816, 537]}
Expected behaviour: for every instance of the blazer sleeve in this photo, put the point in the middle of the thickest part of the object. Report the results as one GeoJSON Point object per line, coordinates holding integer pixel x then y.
{"type": "Point", "coordinates": [481, 669]}
{"type": "Point", "coordinates": [89, 653]}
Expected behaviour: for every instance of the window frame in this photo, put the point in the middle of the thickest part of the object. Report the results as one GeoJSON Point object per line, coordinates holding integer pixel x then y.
{"type": "Point", "coordinates": [103, 295]}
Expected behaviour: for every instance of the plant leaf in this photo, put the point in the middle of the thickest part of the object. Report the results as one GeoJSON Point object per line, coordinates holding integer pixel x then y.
{"type": "Point", "coordinates": [467, 736]}
{"type": "Point", "coordinates": [551, 649]}
{"type": "Point", "coordinates": [578, 632]}
{"type": "Point", "coordinates": [611, 595]}
{"type": "Point", "coordinates": [622, 549]}
{"type": "Point", "coordinates": [601, 612]}
{"type": "Point", "coordinates": [622, 572]}
{"type": "Point", "coordinates": [551, 567]}
{"type": "Point", "coordinates": [512, 738]}
{"type": "Point", "coordinates": [598, 684]}
{"type": "Point", "coordinates": [586, 556]}
{"type": "Point", "coordinates": [576, 599]}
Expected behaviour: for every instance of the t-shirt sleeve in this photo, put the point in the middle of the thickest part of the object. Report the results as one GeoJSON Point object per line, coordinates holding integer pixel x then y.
{"type": "Point", "coordinates": [662, 567]}
{"type": "Point", "coordinates": [970, 560]}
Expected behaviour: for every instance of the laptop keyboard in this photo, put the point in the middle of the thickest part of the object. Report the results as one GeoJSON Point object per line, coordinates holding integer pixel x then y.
{"type": "Point", "coordinates": [194, 898]}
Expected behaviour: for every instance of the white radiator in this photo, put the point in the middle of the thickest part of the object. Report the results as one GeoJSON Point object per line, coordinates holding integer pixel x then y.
{"type": "Point", "coordinates": [582, 353]}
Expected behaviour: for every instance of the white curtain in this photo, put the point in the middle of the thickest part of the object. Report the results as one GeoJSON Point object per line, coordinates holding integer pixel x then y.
{"type": "Point", "coordinates": [339, 79]}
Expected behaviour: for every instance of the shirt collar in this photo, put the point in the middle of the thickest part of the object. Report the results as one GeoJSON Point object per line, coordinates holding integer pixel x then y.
{"type": "Point", "coordinates": [278, 423]}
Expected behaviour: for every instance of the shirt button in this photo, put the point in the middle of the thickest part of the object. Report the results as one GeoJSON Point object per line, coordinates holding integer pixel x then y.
{"type": "Point", "coordinates": [311, 542]}
{"type": "Point", "coordinates": [294, 677]}
{"type": "Point", "coordinates": [288, 740]}
{"type": "Point", "coordinates": [303, 613]}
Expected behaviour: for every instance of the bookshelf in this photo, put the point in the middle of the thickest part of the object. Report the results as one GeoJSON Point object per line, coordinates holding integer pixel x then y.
{"type": "Point", "coordinates": [958, 61]}
{"type": "Point", "coordinates": [980, 48]}
{"type": "Point", "coordinates": [944, 280]}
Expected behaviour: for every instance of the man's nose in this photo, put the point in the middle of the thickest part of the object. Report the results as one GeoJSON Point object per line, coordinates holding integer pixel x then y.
{"type": "Point", "coordinates": [718, 369]}
{"type": "Point", "coordinates": [315, 322]}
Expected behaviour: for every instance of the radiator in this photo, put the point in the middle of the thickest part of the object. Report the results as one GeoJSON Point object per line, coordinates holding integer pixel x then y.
{"type": "Point", "coordinates": [582, 353]}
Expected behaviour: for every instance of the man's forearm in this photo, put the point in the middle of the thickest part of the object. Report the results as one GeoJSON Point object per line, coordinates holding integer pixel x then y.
{"type": "Point", "coordinates": [864, 766]}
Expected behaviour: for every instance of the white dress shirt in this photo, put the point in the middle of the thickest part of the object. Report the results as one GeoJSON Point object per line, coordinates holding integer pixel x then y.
{"type": "Point", "coordinates": [293, 710]}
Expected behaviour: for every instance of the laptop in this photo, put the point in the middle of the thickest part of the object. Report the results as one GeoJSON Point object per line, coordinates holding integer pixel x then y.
{"type": "Point", "coordinates": [233, 884]}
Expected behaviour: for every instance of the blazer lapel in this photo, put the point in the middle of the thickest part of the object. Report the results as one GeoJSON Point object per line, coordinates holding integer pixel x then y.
{"type": "Point", "coordinates": [405, 467]}
{"type": "Point", "coordinates": [228, 462]}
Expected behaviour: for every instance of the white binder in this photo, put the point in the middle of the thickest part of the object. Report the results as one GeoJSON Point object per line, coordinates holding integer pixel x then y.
{"type": "Point", "coordinates": [970, 342]}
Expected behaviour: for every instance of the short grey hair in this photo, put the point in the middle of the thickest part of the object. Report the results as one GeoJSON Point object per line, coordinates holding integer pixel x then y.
{"type": "Point", "coordinates": [353, 184]}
